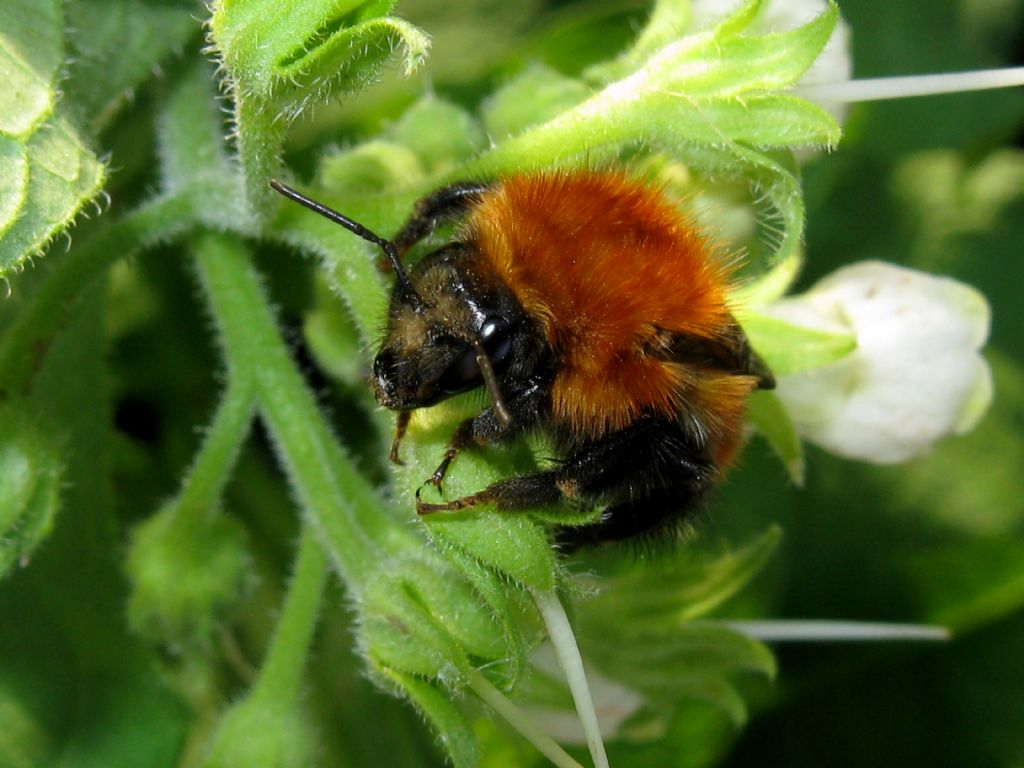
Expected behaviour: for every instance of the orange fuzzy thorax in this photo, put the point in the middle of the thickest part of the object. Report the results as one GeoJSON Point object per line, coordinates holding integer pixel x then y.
{"type": "Point", "coordinates": [606, 266]}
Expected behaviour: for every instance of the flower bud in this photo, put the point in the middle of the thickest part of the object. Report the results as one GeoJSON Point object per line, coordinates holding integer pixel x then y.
{"type": "Point", "coordinates": [834, 65]}
{"type": "Point", "coordinates": [261, 732]}
{"type": "Point", "coordinates": [187, 572]}
{"type": "Point", "coordinates": [30, 473]}
{"type": "Point", "coordinates": [428, 620]}
{"type": "Point", "coordinates": [916, 374]}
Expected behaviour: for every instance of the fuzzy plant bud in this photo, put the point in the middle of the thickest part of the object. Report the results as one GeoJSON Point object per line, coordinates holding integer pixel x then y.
{"type": "Point", "coordinates": [427, 620]}
{"type": "Point", "coordinates": [833, 65]}
{"type": "Point", "coordinates": [187, 572]}
{"type": "Point", "coordinates": [262, 732]}
{"type": "Point", "coordinates": [30, 475]}
{"type": "Point", "coordinates": [916, 375]}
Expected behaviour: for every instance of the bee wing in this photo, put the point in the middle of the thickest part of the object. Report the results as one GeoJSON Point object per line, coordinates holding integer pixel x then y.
{"type": "Point", "coordinates": [728, 351]}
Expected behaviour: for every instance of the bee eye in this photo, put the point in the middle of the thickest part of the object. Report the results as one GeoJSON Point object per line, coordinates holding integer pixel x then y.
{"type": "Point", "coordinates": [497, 340]}
{"type": "Point", "coordinates": [461, 375]}
{"type": "Point", "coordinates": [385, 370]}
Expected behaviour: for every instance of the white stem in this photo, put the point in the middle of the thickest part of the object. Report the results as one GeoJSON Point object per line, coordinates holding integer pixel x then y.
{"type": "Point", "coordinates": [803, 631]}
{"type": "Point", "coordinates": [519, 720]}
{"type": "Point", "coordinates": [568, 653]}
{"type": "Point", "coordinates": [912, 85]}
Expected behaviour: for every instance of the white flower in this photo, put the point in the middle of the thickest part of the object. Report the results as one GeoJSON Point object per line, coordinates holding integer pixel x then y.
{"type": "Point", "coordinates": [916, 375]}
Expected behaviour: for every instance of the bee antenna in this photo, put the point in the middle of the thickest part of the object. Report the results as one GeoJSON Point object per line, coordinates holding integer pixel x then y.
{"type": "Point", "coordinates": [491, 382]}
{"type": "Point", "coordinates": [404, 284]}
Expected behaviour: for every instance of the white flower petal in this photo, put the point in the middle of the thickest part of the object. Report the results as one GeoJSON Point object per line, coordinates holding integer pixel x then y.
{"type": "Point", "coordinates": [916, 375]}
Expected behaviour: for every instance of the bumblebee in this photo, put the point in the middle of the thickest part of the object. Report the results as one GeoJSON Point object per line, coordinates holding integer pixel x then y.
{"type": "Point", "coordinates": [591, 309]}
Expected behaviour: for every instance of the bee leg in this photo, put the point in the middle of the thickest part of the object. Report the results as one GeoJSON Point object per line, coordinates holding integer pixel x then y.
{"type": "Point", "coordinates": [486, 428]}
{"type": "Point", "coordinates": [650, 474]}
{"type": "Point", "coordinates": [445, 204]}
{"type": "Point", "coordinates": [541, 489]}
{"type": "Point", "coordinates": [401, 425]}
{"type": "Point", "coordinates": [462, 438]}
{"type": "Point", "coordinates": [654, 483]}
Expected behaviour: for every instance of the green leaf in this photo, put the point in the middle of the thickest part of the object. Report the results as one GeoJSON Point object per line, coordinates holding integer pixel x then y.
{"type": "Point", "coordinates": [692, 590]}
{"type": "Point", "coordinates": [766, 412]}
{"type": "Point", "coordinates": [769, 120]}
{"type": "Point", "coordinates": [46, 172]}
{"type": "Point", "coordinates": [790, 349]}
{"type": "Point", "coordinates": [717, 692]}
{"type": "Point", "coordinates": [439, 132]}
{"type": "Point", "coordinates": [511, 609]}
{"type": "Point", "coordinates": [453, 605]}
{"type": "Point", "coordinates": [752, 62]}
{"type": "Point", "coordinates": [989, 586]}
{"type": "Point", "coordinates": [668, 21]}
{"type": "Point", "coordinates": [31, 54]}
{"type": "Point", "coordinates": [512, 544]}
{"type": "Point", "coordinates": [46, 182]}
{"type": "Point", "coordinates": [397, 632]}
{"type": "Point", "coordinates": [13, 181]}
{"type": "Point", "coordinates": [536, 95]}
{"type": "Point", "coordinates": [62, 176]}
{"type": "Point", "coordinates": [370, 167]}
{"type": "Point", "coordinates": [724, 61]}
{"type": "Point", "coordinates": [654, 662]}
{"type": "Point", "coordinates": [116, 46]}
{"type": "Point", "coordinates": [452, 727]}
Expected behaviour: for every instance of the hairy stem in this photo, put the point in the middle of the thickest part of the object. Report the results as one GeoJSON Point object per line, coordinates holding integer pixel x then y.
{"type": "Point", "coordinates": [335, 498]}
{"type": "Point", "coordinates": [280, 677]}
{"type": "Point", "coordinates": [206, 479]}
{"type": "Point", "coordinates": [260, 136]}
{"type": "Point", "coordinates": [519, 720]}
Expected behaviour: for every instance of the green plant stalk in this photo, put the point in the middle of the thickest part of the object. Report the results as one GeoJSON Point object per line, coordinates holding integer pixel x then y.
{"type": "Point", "coordinates": [33, 328]}
{"type": "Point", "coordinates": [334, 497]}
{"type": "Point", "coordinates": [202, 488]}
{"type": "Point", "coordinates": [260, 135]}
{"type": "Point", "coordinates": [280, 677]}
{"type": "Point", "coordinates": [519, 720]}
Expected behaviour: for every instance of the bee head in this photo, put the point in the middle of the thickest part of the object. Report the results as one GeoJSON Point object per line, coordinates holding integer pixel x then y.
{"type": "Point", "coordinates": [449, 330]}
{"type": "Point", "coordinates": [457, 334]}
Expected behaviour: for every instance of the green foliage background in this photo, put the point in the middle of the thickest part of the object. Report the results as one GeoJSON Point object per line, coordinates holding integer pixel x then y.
{"type": "Point", "coordinates": [934, 183]}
